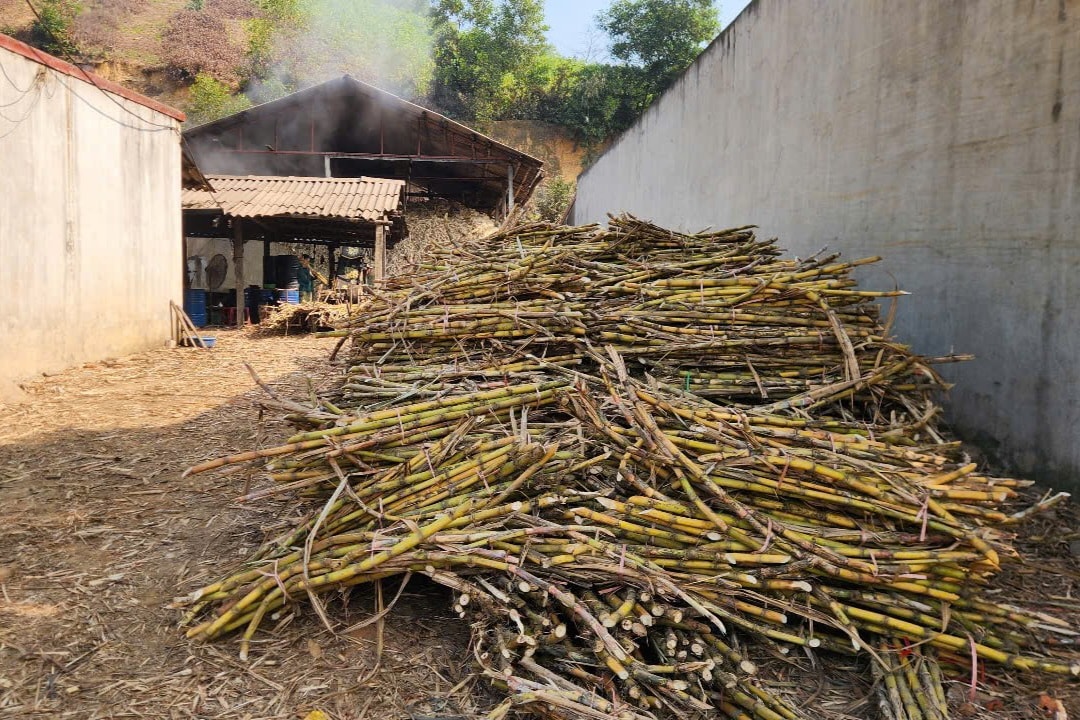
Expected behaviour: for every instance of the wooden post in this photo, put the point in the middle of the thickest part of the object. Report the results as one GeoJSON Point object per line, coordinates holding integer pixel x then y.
{"type": "Point", "coordinates": [238, 268]}
{"type": "Point", "coordinates": [331, 263]}
{"type": "Point", "coordinates": [380, 254]}
{"type": "Point", "coordinates": [267, 239]}
{"type": "Point", "coordinates": [509, 189]}
{"type": "Point", "coordinates": [183, 284]}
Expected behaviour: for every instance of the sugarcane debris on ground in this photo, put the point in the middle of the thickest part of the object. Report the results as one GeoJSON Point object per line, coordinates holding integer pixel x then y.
{"type": "Point", "coordinates": [307, 317]}
{"type": "Point", "coordinates": [637, 457]}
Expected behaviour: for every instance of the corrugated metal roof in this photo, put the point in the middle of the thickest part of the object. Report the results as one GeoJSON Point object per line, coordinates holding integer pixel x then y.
{"type": "Point", "coordinates": [363, 198]}
{"type": "Point", "coordinates": [351, 118]}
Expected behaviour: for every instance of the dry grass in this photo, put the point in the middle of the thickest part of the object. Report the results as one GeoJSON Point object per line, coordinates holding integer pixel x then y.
{"type": "Point", "coordinates": [15, 15]}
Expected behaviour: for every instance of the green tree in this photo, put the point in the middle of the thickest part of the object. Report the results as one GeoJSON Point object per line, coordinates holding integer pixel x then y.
{"type": "Point", "coordinates": [275, 22]}
{"type": "Point", "coordinates": [553, 199]}
{"type": "Point", "coordinates": [659, 37]}
{"type": "Point", "coordinates": [653, 42]}
{"type": "Point", "coordinates": [484, 53]}
{"type": "Point", "coordinates": [292, 44]}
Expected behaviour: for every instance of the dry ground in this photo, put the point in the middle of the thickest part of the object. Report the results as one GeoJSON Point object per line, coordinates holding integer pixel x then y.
{"type": "Point", "coordinates": [99, 533]}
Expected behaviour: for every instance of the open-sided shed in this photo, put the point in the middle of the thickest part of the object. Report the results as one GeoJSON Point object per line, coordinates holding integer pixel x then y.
{"type": "Point", "coordinates": [336, 212]}
{"type": "Point", "coordinates": [347, 128]}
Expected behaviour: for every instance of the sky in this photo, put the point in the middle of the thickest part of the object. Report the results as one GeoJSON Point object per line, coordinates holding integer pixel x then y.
{"type": "Point", "coordinates": [573, 31]}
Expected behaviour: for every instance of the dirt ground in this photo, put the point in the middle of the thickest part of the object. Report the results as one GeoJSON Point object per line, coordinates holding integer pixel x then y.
{"type": "Point", "coordinates": [99, 532]}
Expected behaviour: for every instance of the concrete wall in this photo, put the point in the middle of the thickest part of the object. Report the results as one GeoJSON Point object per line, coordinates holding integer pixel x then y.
{"type": "Point", "coordinates": [942, 135]}
{"type": "Point", "coordinates": [207, 248]}
{"type": "Point", "coordinates": [90, 250]}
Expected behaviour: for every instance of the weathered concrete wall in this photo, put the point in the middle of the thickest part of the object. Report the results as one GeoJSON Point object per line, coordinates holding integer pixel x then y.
{"type": "Point", "coordinates": [942, 135]}
{"type": "Point", "coordinates": [90, 248]}
{"type": "Point", "coordinates": [207, 248]}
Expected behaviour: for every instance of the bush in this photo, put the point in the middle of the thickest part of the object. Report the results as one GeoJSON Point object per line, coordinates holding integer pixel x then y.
{"type": "Point", "coordinates": [232, 9]}
{"type": "Point", "coordinates": [53, 28]}
{"type": "Point", "coordinates": [209, 99]}
{"type": "Point", "coordinates": [196, 43]}
{"type": "Point", "coordinates": [553, 199]}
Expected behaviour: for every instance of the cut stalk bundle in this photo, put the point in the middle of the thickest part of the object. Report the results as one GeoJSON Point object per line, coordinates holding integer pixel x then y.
{"type": "Point", "coordinates": [629, 453]}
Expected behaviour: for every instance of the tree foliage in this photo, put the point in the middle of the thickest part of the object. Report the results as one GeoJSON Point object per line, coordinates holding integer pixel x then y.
{"type": "Point", "coordinates": [492, 62]}
{"type": "Point", "coordinates": [654, 41]}
{"type": "Point", "coordinates": [659, 37]}
{"type": "Point", "coordinates": [477, 60]}
{"type": "Point", "coordinates": [485, 53]}
{"type": "Point", "coordinates": [210, 99]}
{"type": "Point", "coordinates": [553, 199]}
{"type": "Point", "coordinates": [385, 42]}
{"type": "Point", "coordinates": [53, 27]}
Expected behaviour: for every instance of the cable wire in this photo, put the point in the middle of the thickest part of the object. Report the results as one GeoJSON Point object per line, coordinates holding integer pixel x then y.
{"type": "Point", "coordinates": [90, 78]}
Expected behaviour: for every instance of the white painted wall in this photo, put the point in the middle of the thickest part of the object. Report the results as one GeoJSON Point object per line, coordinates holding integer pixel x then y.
{"type": "Point", "coordinates": [942, 135]}
{"type": "Point", "coordinates": [207, 248]}
{"type": "Point", "coordinates": [90, 248]}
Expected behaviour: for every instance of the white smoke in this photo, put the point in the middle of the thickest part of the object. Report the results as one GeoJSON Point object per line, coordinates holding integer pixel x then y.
{"type": "Point", "coordinates": [388, 43]}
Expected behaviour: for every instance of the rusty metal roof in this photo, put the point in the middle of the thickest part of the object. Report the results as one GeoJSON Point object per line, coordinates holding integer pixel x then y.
{"type": "Point", "coordinates": [350, 124]}
{"type": "Point", "coordinates": [363, 198]}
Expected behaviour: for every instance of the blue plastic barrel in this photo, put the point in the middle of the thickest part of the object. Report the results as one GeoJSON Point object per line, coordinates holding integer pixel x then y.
{"type": "Point", "coordinates": [289, 297]}
{"type": "Point", "coordinates": [195, 306]}
{"type": "Point", "coordinates": [269, 270]}
{"type": "Point", "coordinates": [287, 271]}
{"type": "Point", "coordinates": [252, 300]}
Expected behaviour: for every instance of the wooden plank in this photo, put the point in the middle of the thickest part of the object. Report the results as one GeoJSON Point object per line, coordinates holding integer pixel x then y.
{"type": "Point", "coordinates": [238, 269]}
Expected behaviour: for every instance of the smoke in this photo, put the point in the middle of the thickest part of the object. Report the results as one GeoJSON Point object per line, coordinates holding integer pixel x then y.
{"type": "Point", "coordinates": [388, 43]}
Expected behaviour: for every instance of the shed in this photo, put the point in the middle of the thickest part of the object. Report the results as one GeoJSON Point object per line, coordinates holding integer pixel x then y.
{"type": "Point", "coordinates": [336, 212]}
{"type": "Point", "coordinates": [90, 226]}
{"type": "Point", "coordinates": [347, 128]}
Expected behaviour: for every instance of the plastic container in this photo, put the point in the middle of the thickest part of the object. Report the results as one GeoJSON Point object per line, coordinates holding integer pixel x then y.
{"type": "Point", "coordinates": [195, 306]}
{"type": "Point", "coordinates": [289, 297]}
{"type": "Point", "coordinates": [287, 272]}
{"type": "Point", "coordinates": [269, 263]}
{"type": "Point", "coordinates": [252, 300]}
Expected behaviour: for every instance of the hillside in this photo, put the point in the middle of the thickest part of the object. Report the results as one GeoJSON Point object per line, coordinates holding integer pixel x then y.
{"type": "Point", "coordinates": [563, 155]}
{"type": "Point", "coordinates": [124, 41]}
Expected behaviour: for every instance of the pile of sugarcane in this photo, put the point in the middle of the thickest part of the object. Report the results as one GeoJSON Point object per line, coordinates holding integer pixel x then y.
{"type": "Point", "coordinates": [307, 317]}
{"type": "Point", "coordinates": [634, 455]}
